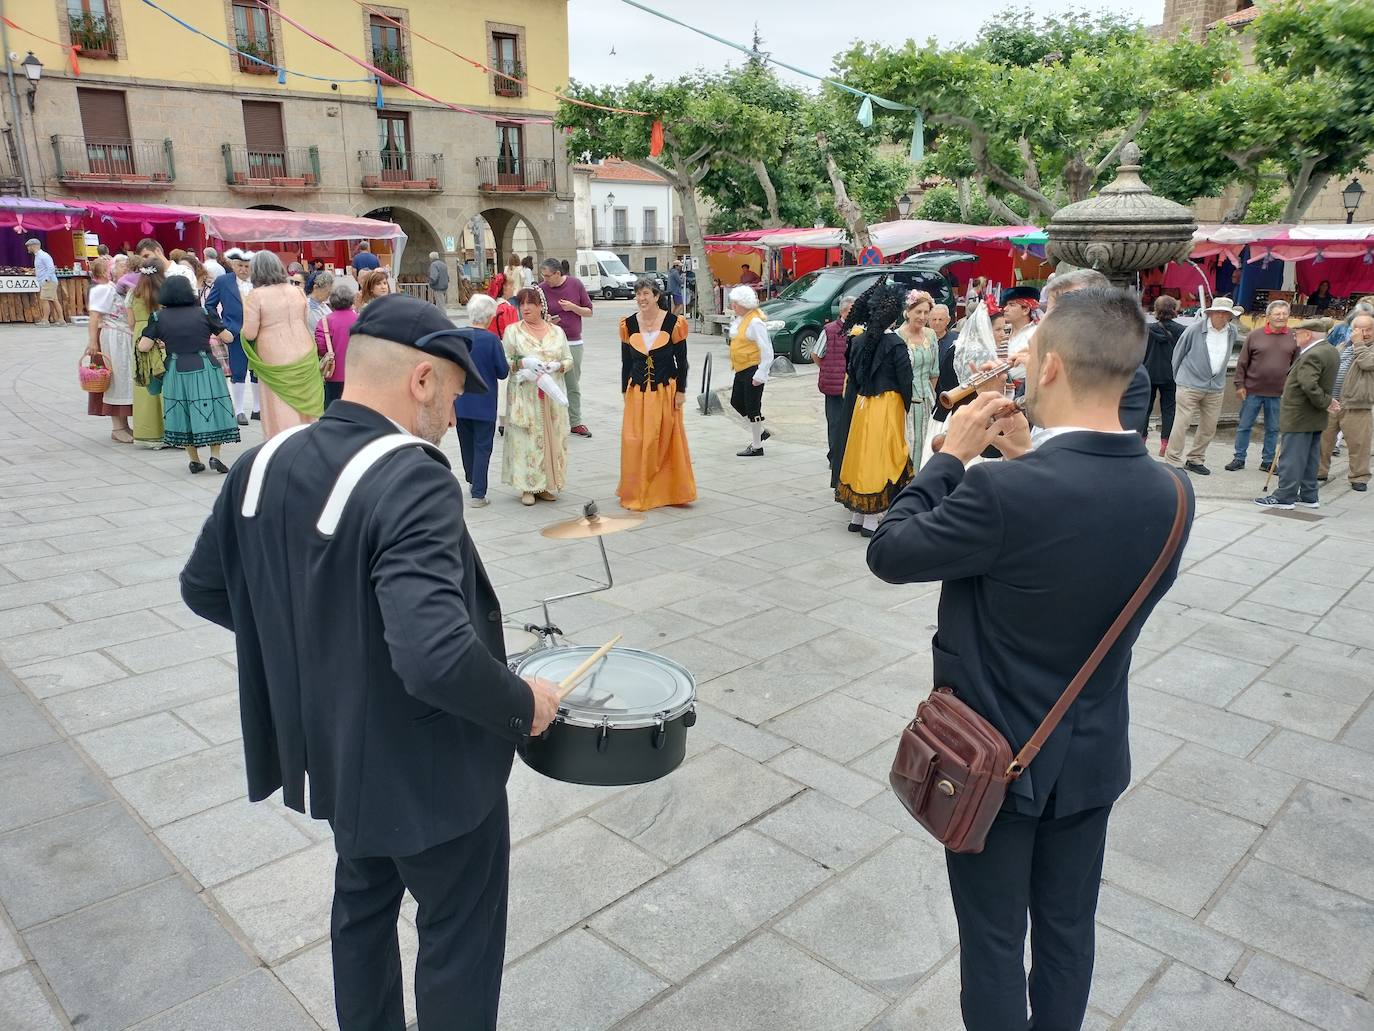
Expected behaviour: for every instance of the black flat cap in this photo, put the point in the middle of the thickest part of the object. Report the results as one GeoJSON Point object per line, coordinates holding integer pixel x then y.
{"type": "Point", "coordinates": [408, 320]}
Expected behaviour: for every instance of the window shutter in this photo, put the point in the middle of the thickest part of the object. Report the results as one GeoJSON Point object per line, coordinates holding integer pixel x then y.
{"type": "Point", "coordinates": [262, 128]}
{"type": "Point", "coordinates": [104, 115]}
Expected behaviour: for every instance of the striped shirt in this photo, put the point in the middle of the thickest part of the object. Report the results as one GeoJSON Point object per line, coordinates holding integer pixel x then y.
{"type": "Point", "coordinates": [1347, 353]}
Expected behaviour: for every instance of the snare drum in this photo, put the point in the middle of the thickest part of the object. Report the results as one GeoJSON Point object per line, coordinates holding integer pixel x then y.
{"type": "Point", "coordinates": [519, 644]}
{"type": "Point", "coordinates": [625, 723]}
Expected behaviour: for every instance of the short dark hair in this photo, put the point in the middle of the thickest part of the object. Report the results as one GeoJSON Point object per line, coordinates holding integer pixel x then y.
{"type": "Point", "coordinates": [176, 292]}
{"type": "Point", "coordinates": [1099, 332]}
{"type": "Point", "coordinates": [529, 295]}
{"type": "Point", "coordinates": [1166, 307]}
{"type": "Point", "coordinates": [552, 264]}
{"type": "Point", "coordinates": [645, 283]}
{"type": "Point", "coordinates": [149, 244]}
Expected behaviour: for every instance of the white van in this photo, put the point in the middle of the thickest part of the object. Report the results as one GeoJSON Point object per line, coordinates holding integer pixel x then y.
{"type": "Point", "coordinates": [604, 274]}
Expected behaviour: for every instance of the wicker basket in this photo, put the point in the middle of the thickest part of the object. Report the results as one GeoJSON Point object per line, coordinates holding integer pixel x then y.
{"type": "Point", "coordinates": [94, 373]}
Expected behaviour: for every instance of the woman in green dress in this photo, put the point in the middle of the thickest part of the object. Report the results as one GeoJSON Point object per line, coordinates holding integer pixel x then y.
{"type": "Point", "coordinates": [148, 365]}
{"type": "Point", "coordinates": [925, 367]}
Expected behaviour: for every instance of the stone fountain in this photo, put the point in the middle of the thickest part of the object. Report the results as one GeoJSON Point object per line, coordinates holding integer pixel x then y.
{"type": "Point", "coordinates": [1125, 229]}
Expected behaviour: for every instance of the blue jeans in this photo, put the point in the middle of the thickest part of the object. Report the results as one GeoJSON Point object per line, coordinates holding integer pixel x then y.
{"type": "Point", "coordinates": [475, 438]}
{"type": "Point", "coordinates": [1249, 411]}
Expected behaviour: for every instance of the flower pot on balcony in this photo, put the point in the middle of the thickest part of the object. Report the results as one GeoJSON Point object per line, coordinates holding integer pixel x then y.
{"type": "Point", "coordinates": [240, 178]}
{"type": "Point", "coordinates": [310, 179]}
{"type": "Point", "coordinates": [433, 182]}
{"type": "Point", "coordinates": [252, 181]}
{"type": "Point", "coordinates": [417, 184]}
{"type": "Point", "coordinates": [288, 180]}
{"type": "Point", "coordinates": [253, 68]}
{"type": "Point", "coordinates": [540, 187]}
{"type": "Point", "coordinates": [70, 173]}
{"type": "Point", "coordinates": [102, 53]}
{"type": "Point", "coordinates": [126, 178]}
{"type": "Point", "coordinates": [161, 177]}
{"type": "Point", "coordinates": [371, 181]}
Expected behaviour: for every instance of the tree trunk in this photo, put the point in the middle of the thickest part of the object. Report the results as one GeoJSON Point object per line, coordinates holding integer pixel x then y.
{"type": "Point", "coordinates": [1235, 214]}
{"type": "Point", "coordinates": [1002, 210]}
{"type": "Point", "coordinates": [769, 193]}
{"type": "Point", "coordinates": [849, 211]}
{"type": "Point", "coordinates": [1306, 188]}
{"type": "Point", "coordinates": [964, 199]}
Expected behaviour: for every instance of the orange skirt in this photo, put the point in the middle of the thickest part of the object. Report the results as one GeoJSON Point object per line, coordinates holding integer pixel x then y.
{"type": "Point", "coordinates": [655, 465]}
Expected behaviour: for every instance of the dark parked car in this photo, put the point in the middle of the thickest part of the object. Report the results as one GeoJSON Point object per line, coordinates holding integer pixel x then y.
{"type": "Point", "coordinates": [797, 316]}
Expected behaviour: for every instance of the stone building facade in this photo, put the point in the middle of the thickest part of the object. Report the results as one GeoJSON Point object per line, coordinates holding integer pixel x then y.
{"type": "Point", "coordinates": [206, 129]}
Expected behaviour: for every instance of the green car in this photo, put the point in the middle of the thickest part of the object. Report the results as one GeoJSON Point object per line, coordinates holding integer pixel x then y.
{"type": "Point", "coordinates": [798, 314]}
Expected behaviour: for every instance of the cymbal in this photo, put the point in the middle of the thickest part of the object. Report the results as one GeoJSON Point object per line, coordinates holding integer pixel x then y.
{"type": "Point", "coordinates": [595, 526]}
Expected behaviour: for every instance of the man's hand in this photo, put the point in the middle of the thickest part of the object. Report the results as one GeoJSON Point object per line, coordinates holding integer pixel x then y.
{"type": "Point", "coordinates": [1334, 406]}
{"type": "Point", "coordinates": [566, 304]}
{"type": "Point", "coordinates": [1013, 437]}
{"type": "Point", "coordinates": [1240, 393]}
{"type": "Point", "coordinates": [970, 428]}
{"type": "Point", "coordinates": [545, 703]}
{"type": "Point", "coordinates": [1018, 358]}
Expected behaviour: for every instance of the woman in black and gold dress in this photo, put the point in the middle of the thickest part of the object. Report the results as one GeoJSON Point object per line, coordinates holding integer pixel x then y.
{"type": "Point", "coordinates": [655, 465]}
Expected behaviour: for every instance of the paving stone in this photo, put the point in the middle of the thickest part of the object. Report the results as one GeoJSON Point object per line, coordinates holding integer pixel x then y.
{"type": "Point", "coordinates": [537, 803]}
{"type": "Point", "coordinates": [649, 629]}
{"type": "Point", "coordinates": [1348, 625]}
{"type": "Point", "coordinates": [257, 1002]}
{"type": "Point", "coordinates": [577, 983]}
{"type": "Point", "coordinates": [1302, 711]}
{"type": "Point", "coordinates": [841, 783]}
{"type": "Point", "coordinates": [44, 782]}
{"type": "Point", "coordinates": [1298, 595]}
{"type": "Point", "coordinates": [1224, 782]}
{"type": "Point", "coordinates": [832, 834]}
{"type": "Point", "coordinates": [154, 653]}
{"type": "Point", "coordinates": [887, 939]}
{"type": "Point", "coordinates": [717, 608]}
{"type": "Point", "coordinates": [898, 688]}
{"type": "Point", "coordinates": [1202, 724]}
{"type": "Point", "coordinates": [28, 619]}
{"type": "Point", "coordinates": [1197, 675]}
{"type": "Point", "coordinates": [1209, 1005]}
{"type": "Point", "coordinates": [79, 637]}
{"type": "Point", "coordinates": [114, 702]}
{"type": "Point", "coordinates": [1327, 931]}
{"type": "Point", "coordinates": [1327, 836]}
{"type": "Point", "coordinates": [283, 906]}
{"type": "Point", "coordinates": [24, 726]}
{"type": "Point", "coordinates": [765, 983]}
{"type": "Point", "coordinates": [1310, 998]}
{"type": "Point", "coordinates": [120, 599]}
{"type": "Point", "coordinates": [1336, 766]}
{"type": "Point", "coordinates": [1240, 641]}
{"type": "Point", "coordinates": [1205, 592]}
{"type": "Point", "coordinates": [214, 718]}
{"type": "Point", "coordinates": [1268, 548]}
{"type": "Point", "coordinates": [725, 729]}
{"type": "Point", "coordinates": [10, 954]}
{"type": "Point", "coordinates": [52, 868]}
{"type": "Point", "coordinates": [69, 673]}
{"type": "Point", "coordinates": [705, 661]}
{"type": "Point", "coordinates": [140, 743]}
{"type": "Point", "coordinates": [837, 726]}
{"type": "Point", "coordinates": [703, 800]}
{"type": "Point", "coordinates": [130, 958]}
{"type": "Point", "coordinates": [1271, 616]}
{"type": "Point", "coordinates": [762, 635]}
{"type": "Point", "coordinates": [1237, 568]}
{"type": "Point", "coordinates": [546, 896]}
{"type": "Point", "coordinates": [1360, 733]}
{"type": "Point", "coordinates": [1171, 850]}
{"type": "Point", "coordinates": [23, 1006]}
{"type": "Point", "coordinates": [231, 839]}
{"type": "Point", "coordinates": [1316, 669]}
{"type": "Point", "coordinates": [1165, 629]}
{"type": "Point", "coordinates": [191, 784]}
{"type": "Point", "coordinates": [747, 879]}
{"type": "Point", "coordinates": [933, 1005]}
{"type": "Point", "coordinates": [1121, 968]}
{"type": "Point", "coordinates": [309, 976]}
{"type": "Point", "coordinates": [1149, 748]}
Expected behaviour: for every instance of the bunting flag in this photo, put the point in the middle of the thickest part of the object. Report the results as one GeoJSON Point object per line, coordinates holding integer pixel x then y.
{"type": "Point", "coordinates": [71, 49]}
{"type": "Point", "coordinates": [656, 139]}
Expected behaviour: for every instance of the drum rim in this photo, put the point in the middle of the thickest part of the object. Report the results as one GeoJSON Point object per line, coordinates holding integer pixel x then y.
{"type": "Point", "coordinates": [623, 722]}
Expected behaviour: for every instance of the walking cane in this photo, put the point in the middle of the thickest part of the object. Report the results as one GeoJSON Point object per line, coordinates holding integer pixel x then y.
{"type": "Point", "coordinates": [1273, 465]}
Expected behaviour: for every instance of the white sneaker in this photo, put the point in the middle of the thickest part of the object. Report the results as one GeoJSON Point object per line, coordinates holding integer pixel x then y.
{"type": "Point", "coordinates": [1308, 504]}
{"type": "Point", "coordinates": [478, 502]}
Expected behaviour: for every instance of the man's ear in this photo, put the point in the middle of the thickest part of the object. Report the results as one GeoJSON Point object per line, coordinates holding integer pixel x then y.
{"type": "Point", "coordinates": [1051, 368]}
{"type": "Point", "coordinates": [422, 379]}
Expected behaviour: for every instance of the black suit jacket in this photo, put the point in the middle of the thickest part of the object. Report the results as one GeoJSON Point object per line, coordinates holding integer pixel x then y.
{"type": "Point", "coordinates": [948, 379]}
{"type": "Point", "coordinates": [1135, 402]}
{"type": "Point", "coordinates": [1038, 557]}
{"type": "Point", "coordinates": [374, 659]}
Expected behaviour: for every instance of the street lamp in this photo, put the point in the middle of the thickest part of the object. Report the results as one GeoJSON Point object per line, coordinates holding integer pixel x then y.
{"type": "Point", "coordinates": [904, 205]}
{"type": "Point", "coordinates": [1351, 197]}
{"type": "Point", "coordinates": [33, 71]}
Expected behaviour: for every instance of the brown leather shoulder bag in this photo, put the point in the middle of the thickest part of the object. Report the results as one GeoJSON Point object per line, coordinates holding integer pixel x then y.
{"type": "Point", "coordinates": [953, 767]}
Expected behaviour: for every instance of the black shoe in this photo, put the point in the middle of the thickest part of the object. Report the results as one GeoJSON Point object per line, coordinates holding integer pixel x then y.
{"type": "Point", "coordinates": [257, 416]}
{"type": "Point", "coordinates": [766, 434]}
{"type": "Point", "coordinates": [195, 467]}
{"type": "Point", "coordinates": [855, 527]}
{"type": "Point", "coordinates": [866, 532]}
{"type": "Point", "coordinates": [242, 419]}
{"type": "Point", "coordinates": [1361, 487]}
{"type": "Point", "coordinates": [750, 452]}
{"type": "Point", "coordinates": [1322, 479]}
{"type": "Point", "coordinates": [1266, 467]}
{"type": "Point", "coordinates": [1236, 464]}
{"type": "Point", "coordinates": [218, 466]}
{"type": "Point", "coordinates": [1199, 468]}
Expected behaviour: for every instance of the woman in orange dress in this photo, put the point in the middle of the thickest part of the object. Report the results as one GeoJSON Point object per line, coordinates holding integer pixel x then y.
{"type": "Point", "coordinates": [655, 465]}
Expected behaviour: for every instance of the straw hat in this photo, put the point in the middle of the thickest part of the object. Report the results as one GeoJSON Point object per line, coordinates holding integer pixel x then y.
{"type": "Point", "coordinates": [1224, 304]}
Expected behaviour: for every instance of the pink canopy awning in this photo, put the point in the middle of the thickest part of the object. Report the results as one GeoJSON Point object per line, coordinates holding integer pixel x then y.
{"type": "Point", "coordinates": [25, 213]}
{"type": "Point", "coordinates": [1283, 242]}
{"type": "Point", "coordinates": [252, 225]}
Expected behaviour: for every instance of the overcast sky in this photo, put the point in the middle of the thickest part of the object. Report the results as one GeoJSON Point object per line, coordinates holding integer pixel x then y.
{"type": "Point", "coordinates": [806, 33]}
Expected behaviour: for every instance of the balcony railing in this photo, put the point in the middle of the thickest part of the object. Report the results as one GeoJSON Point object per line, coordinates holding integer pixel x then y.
{"type": "Point", "coordinates": [501, 175]}
{"type": "Point", "coordinates": [293, 168]}
{"type": "Point", "coordinates": [393, 62]}
{"type": "Point", "coordinates": [11, 178]}
{"type": "Point", "coordinates": [653, 238]}
{"type": "Point", "coordinates": [126, 164]}
{"type": "Point", "coordinates": [248, 49]}
{"type": "Point", "coordinates": [622, 238]}
{"type": "Point", "coordinates": [93, 33]}
{"type": "Point", "coordinates": [392, 171]}
{"type": "Point", "coordinates": [507, 74]}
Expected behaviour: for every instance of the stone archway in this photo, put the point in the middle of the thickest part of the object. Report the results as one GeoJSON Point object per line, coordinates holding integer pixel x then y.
{"type": "Point", "coordinates": [512, 233]}
{"type": "Point", "coordinates": [421, 238]}
{"type": "Point", "coordinates": [268, 207]}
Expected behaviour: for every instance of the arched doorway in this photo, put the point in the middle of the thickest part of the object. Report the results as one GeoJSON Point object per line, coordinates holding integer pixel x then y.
{"type": "Point", "coordinates": [502, 232]}
{"type": "Point", "coordinates": [421, 239]}
{"type": "Point", "coordinates": [268, 207]}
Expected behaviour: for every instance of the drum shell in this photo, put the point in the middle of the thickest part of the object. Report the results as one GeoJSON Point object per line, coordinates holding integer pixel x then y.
{"type": "Point", "coordinates": [628, 755]}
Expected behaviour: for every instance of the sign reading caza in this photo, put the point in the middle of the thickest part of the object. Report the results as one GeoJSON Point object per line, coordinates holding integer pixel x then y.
{"type": "Point", "coordinates": [18, 284]}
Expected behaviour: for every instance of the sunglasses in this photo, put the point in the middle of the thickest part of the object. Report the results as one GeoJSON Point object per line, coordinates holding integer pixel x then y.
{"type": "Point", "coordinates": [299, 282]}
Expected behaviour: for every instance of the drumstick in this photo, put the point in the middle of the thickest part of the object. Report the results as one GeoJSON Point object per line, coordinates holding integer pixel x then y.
{"type": "Point", "coordinates": [566, 685]}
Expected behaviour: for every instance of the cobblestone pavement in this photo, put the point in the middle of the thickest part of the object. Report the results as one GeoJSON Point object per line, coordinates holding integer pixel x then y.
{"type": "Point", "coordinates": [772, 881]}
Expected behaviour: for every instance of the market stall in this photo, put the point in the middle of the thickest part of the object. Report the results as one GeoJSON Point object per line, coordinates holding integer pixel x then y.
{"type": "Point", "coordinates": [56, 227]}
{"type": "Point", "coordinates": [1289, 262]}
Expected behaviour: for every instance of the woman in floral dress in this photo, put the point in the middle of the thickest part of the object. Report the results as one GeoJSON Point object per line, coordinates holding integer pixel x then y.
{"type": "Point", "coordinates": [109, 337]}
{"type": "Point", "coordinates": [925, 367]}
{"type": "Point", "coordinates": [535, 458]}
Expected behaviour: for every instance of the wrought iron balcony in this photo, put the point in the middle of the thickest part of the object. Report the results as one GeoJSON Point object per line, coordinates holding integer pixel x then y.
{"type": "Point", "coordinates": [393, 171]}
{"type": "Point", "coordinates": [292, 168]}
{"type": "Point", "coordinates": [93, 33]}
{"type": "Point", "coordinates": [622, 238]}
{"type": "Point", "coordinates": [502, 175]}
{"type": "Point", "coordinates": [249, 49]}
{"type": "Point", "coordinates": [506, 80]}
{"type": "Point", "coordinates": [653, 238]}
{"type": "Point", "coordinates": [123, 164]}
{"type": "Point", "coordinates": [393, 62]}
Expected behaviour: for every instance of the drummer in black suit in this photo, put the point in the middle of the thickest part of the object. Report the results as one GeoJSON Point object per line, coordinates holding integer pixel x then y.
{"type": "Point", "coordinates": [370, 657]}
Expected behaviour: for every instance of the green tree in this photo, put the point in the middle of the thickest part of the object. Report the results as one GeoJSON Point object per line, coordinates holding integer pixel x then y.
{"type": "Point", "coordinates": [1037, 109]}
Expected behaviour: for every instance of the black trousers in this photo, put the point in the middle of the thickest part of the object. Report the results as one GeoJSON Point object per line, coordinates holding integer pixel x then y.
{"type": "Point", "coordinates": [461, 888]}
{"type": "Point", "coordinates": [834, 428]}
{"type": "Point", "coordinates": [475, 438]}
{"type": "Point", "coordinates": [746, 397]}
{"type": "Point", "coordinates": [1165, 392]}
{"type": "Point", "coordinates": [1050, 869]}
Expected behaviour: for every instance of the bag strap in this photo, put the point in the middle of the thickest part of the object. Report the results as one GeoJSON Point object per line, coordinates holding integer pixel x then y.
{"type": "Point", "coordinates": [328, 337]}
{"type": "Point", "coordinates": [1037, 740]}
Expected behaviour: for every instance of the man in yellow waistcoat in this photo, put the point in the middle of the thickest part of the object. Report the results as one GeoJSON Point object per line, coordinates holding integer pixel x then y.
{"type": "Point", "coordinates": [751, 356]}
